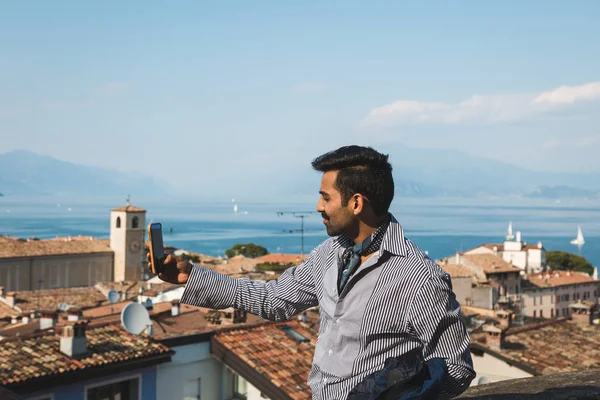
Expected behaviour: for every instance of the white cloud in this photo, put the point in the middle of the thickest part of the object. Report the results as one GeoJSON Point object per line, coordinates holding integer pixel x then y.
{"type": "Point", "coordinates": [483, 109]}
{"type": "Point", "coordinates": [311, 87]}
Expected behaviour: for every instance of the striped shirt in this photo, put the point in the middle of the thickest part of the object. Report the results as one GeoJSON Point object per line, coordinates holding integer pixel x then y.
{"type": "Point", "coordinates": [397, 302]}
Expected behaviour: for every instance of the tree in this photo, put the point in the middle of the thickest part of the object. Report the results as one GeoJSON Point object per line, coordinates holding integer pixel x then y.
{"type": "Point", "coordinates": [247, 250]}
{"type": "Point", "coordinates": [190, 257]}
{"type": "Point", "coordinates": [568, 261]}
{"type": "Point", "coordinates": [274, 267]}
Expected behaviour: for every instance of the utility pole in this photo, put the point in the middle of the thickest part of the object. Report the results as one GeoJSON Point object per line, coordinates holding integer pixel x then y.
{"type": "Point", "coordinates": [301, 215]}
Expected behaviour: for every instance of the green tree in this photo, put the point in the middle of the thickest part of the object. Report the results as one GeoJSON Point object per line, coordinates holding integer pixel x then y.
{"type": "Point", "coordinates": [568, 261]}
{"type": "Point", "coordinates": [247, 250]}
{"type": "Point", "coordinates": [275, 267]}
{"type": "Point", "coordinates": [190, 257]}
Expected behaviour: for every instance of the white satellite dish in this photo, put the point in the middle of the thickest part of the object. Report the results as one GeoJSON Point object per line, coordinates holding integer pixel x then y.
{"type": "Point", "coordinates": [135, 318]}
{"type": "Point", "coordinates": [113, 296]}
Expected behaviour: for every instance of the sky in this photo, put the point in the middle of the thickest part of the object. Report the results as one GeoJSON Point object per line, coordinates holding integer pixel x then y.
{"type": "Point", "coordinates": [197, 93]}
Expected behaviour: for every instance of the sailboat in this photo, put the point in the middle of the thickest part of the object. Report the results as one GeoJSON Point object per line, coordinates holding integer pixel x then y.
{"type": "Point", "coordinates": [509, 234]}
{"type": "Point", "coordinates": [579, 240]}
{"type": "Point", "coordinates": [235, 208]}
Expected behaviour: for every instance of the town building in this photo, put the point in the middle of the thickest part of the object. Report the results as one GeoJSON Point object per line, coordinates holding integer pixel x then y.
{"type": "Point", "coordinates": [32, 264]}
{"type": "Point", "coordinates": [494, 282]}
{"type": "Point", "coordinates": [550, 293]}
{"type": "Point", "coordinates": [528, 257]}
{"type": "Point", "coordinates": [76, 361]}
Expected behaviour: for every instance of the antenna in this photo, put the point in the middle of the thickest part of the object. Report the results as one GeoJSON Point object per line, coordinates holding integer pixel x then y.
{"type": "Point", "coordinates": [135, 318]}
{"type": "Point", "coordinates": [301, 215]}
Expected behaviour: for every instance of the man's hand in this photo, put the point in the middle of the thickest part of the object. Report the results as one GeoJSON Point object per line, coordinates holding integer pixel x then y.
{"type": "Point", "coordinates": [177, 270]}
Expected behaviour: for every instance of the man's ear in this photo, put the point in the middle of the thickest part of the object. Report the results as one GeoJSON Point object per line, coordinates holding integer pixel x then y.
{"type": "Point", "coordinates": [358, 202]}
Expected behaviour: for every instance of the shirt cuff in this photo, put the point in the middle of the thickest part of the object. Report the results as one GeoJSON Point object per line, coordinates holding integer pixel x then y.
{"type": "Point", "coordinates": [209, 289]}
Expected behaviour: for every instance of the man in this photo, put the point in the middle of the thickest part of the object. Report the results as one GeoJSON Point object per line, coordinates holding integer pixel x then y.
{"type": "Point", "coordinates": [388, 317]}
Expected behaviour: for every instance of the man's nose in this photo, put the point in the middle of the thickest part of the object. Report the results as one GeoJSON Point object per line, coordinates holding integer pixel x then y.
{"type": "Point", "coordinates": [320, 207]}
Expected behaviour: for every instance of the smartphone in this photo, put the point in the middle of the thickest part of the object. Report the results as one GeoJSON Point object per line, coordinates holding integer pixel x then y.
{"type": "Point", "coordinates": [157, 250]}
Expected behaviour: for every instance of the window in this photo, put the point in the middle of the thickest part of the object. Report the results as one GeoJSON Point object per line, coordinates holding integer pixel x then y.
{"type": "Point", "coordinates": [135, 223]}
{"type": "Point", "coordinates": [541, 300]}
{"type": "Point", "coordinates": [534, 313]}
{"type": "Point", "coordinates": [192, 389]}
{"type": "Point", "coordinates": [118, 222]}
{"type": "Point", "coordinates": [291, 333]}
{"type": "Point", "coordinates": [541, 313]}
{"type": "Point", "coordinates": [552, 313]}
{"type": "Point", "coordinates": [120, 390]}
{"type": "Point", "coordinates": [240, 388]}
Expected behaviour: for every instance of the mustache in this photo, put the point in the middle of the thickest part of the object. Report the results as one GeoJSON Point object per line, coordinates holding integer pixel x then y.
{"type": "Point", "coordinates": [324, 216]}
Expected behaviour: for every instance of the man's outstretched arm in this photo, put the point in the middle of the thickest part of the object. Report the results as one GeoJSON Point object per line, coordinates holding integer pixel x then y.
{"type": "Point", "coordinates": [276, 300]}
{"type": "Point", "coordinates": [436, 321]}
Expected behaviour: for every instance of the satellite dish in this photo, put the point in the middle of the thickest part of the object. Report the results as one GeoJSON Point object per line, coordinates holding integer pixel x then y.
{"type": "Point", "coordinates": [112, 296]}
{"type": "Point", "coordinates": [135, 318]}
{"type": "Point", "coordinates": [148, 304]}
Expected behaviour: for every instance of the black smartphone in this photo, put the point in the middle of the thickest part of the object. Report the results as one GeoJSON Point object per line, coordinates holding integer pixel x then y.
{"type": "Point", "coordinates": [157, 249]}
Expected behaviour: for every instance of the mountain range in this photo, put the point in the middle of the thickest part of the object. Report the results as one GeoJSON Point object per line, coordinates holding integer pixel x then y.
{"type": "Point", "coordinates": [417, 173]}
{"type": "Point", "coordinates": [26, 173]}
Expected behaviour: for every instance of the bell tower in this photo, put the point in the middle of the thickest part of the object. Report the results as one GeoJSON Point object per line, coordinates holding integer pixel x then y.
{"type": "Point", "coordinates": [127, 234]}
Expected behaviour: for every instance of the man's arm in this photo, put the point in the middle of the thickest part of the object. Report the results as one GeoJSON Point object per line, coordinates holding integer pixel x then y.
{"type": "Point", "coordinates": [276, 300]}
{"type": "Point", "coordinates": [435, 319]}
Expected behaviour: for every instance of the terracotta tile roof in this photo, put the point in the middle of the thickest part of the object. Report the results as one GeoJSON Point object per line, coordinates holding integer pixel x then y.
{"type": "Point", "coordinates": [14, 247]}
{"type": "Point", "coordinates": [132, 288]}
{"type": "Point", "coordinates": [271, 352]}
{"type": "Point", "coordinates": [557, 278]}
{"type": "Point", "coordinates": [190, 321]}
{"type": "Point", "coordinates": [78, 297]}
{"type": "Point", "coordinates": [490, 263]}
{"type": "Point", "coordinates": [24, 359]}
{"type": "Point", "coordinates": [458, 271]}
{"type": "Point", "coordinates": [555, 347]}
{"type": "Point", "coordinates": [499, 247]}
{"type": "Point", "coordinates": [129, 208]}
{"type": "Point", "coordinates": [281, 259]}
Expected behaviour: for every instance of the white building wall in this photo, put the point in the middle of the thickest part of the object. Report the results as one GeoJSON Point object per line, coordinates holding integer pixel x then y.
{"type": "Point", "coordinates": [192, 369]}
{"type": "Point", "coordinates": [517, 258]}
{"type": "Point", "coordinates": [494, 369]}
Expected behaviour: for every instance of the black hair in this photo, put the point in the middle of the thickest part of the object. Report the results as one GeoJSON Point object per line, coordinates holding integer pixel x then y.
{"type": "Point", "coordinates": [360, 170]}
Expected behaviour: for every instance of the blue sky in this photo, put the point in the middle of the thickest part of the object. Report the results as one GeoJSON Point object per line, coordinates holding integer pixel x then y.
{"type": "Point", "coordinates": [195, 92]}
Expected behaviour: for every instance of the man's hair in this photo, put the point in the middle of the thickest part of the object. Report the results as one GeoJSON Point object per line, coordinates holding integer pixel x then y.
{"type": "Point", "coordinates": [360, 170]}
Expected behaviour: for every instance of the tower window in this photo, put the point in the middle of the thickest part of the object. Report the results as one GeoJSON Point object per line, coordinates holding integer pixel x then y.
{"type": "Point", "coordinates": [134, 222]}
{"type": "Point", "coordinates": [118, 222]}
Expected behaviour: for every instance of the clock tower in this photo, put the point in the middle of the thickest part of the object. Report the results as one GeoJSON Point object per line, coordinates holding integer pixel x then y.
{"type": "Point", "coordinates": [127, 234]}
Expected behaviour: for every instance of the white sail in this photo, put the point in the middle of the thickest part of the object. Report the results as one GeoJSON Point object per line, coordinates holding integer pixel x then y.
{"type": "Point", "coordinates": [579, 240]}
{"type": "Point", "coordinates": [509, 234]}
{"type": "Point", "coordinates": [235, 208]}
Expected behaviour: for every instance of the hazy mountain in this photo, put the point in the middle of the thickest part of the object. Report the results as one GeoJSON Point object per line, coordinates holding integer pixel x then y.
{"type": "Point", "coordinates": [25, 173]}
{"type": "Point", "coordinates": [442, 172]}
{"type": "Point", "coordinates": [417, 173]}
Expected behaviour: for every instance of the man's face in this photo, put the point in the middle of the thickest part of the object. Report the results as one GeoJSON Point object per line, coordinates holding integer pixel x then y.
{"type": "Point", "coordinates": [337, 218]}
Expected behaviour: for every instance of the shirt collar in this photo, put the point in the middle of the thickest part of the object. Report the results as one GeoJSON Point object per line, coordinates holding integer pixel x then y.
{"type": "Point", "coordinates": [393, 239]}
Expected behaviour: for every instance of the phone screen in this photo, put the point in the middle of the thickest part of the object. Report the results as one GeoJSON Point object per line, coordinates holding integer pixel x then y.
{"type": "Point", "coordinates": [157, 242]}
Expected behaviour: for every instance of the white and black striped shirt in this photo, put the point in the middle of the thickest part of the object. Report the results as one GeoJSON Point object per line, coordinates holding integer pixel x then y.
{"type": "Point", "coordinates": [397, 301]}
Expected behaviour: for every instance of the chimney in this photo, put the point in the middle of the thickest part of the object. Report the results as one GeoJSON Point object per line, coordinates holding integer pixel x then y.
{"type": "Point", "coordinates": [47, 319]}
{"type": "Point", "coordinates": [25, 319]}
{"type": "Point", "coordinates": [74, 315]}
{"type": "Point", "coordinates": [518, 236]}
{"type": "Point", "coordinates": [123, 296]}
{"type": "Point", "coordinates": [495, 336]}
{"type": "Point", "coordinates": [175, 308]}
{"type": "Point", "coordinates": [540, 245]}
{"type": "Point", "coordinates": [10, 299]}
{"type": "Point", "coordinates": [14, 319]}
{"type": "Point", "coordinates": [148, 285]}
{"type": "Point", "coordinates": [457, 258]}
{"type": "Point", "coordinates": [504, 318]}
{"type": "Point", "coordinates": [495, 249]}
{"type": "Point", "coordinates": [72, 340]}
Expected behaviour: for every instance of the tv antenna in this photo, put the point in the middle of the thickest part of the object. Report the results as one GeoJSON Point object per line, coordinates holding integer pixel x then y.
{"type": "Point", "coordinates": [136, 319]}
{"type": "Point", "coordinates": [301, 215]}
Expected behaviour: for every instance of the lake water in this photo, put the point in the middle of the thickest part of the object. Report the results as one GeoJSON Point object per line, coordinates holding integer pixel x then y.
{"type": "Point", "coordinates": [439, 226]}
